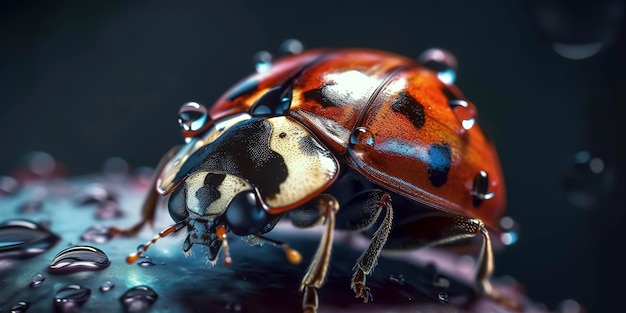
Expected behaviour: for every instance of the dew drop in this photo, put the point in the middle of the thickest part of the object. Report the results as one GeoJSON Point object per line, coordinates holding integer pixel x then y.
{"type": "Point", "coordinates": [20, 307]}
{"type": "Point", "coordinates": [94, 193]}
{"type": "Point", "coordinates": [397, 278]}
{"type": "Point", "coordinates": [291, 46]}
{"type": "Point", "coordinates": [40, 163]}
{"type": "Point", "coordinates": [361, 140]}
{"type": "Point", "coordinates": [442, 296]}
{"type": "Point", "coordinates": [107, 286]}
{"type": "Point", "coordinates": [115, 168]}
{"type": "Point", "coordinates": [96, 234]}
{"type": "Point", "coordinates": [70, 298]}
{"type": "Point", "coordinates": [37, 280]}
{"type": "Point", "coordinates": [138, 299]}
{"type": "Point", "coordinates": [588, 180]}
{"type": "Point", "coordinates": [441, 61]}
{"type": "Point", "coordinates": [108, 210]}
{"type": "Point", "coordinates": [465, 111]}
{"type": "Point", "coordinates": [24, 238]}
{"type": "Point", "coordinates": [262, 61]}
{"type": "Point", "coordinates": [8, 186]}
{"type": "Point", "coordinates": [145, 261]}
{"type": "Point", "coordinates": [193, 117]}
{"type": "Point", "coordinates": [77, 259]}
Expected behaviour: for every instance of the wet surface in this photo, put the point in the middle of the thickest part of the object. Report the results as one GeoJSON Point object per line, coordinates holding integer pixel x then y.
{"type": "Point", "coordinates": [95, 278]}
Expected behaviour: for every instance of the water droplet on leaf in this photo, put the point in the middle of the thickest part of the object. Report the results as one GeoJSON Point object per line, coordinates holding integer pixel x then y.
{"type": "Point", "coordinates": [107, 286]}
{"type": "Point", "coordinates": [139, 299]}
{"type": "Point", "coordinates": [24, 238]}
{"type": "Point", "coordinates": [20, 307]}
{"type": "Point", "coordinates": [37, 280]}
{"type": "Point", "coordinates": [70, 298]}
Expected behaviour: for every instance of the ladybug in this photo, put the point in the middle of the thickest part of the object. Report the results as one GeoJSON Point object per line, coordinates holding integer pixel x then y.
{"type": "Point", "coordinates": [334, 137]}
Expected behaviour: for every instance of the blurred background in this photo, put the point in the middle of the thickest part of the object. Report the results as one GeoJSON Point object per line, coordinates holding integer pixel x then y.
{"type": "Point", "coordinates": [88, 81]}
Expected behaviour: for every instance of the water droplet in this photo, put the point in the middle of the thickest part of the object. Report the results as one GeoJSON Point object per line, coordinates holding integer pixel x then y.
{"type": "Point", "coordinates": [40, 163]}
{"type": "Point", "coordinates": [441, 61]}
{"type": "Point", "coordinates": [361, 140]}
{"type": "Point", "coordinates": [37, 280]}
{"type": "Point", "coordinates": [291, 46]}
{"type": "Point", "coordinates": [108, 210]}
{"type": "Point", "coordinates": [397, 278]}
{"type": "Point", "coordinates": [193, 118]}
{"type": "Point", "coordinates": [78, 258]}
{"type": "Point", "coordinates": [138, 299]}
{"type": "Point", "coordinates": [465, 111]}
{"type": "Point", "coordinates": [20, 307]}
{"type": "Point", "coordinates": [30, 207]}
{"type": "Point", "coordinates": [145, 261]}
{"type": "Point", "coordinates": [115, 168]}
{"type": "Point", "coordinates": [107, 286]}
{"type": "Point", "coordinates": [262, 61]}
{"type": "Point", "coordinates": [8, 185]}
{"type": "Point", "coordinates": [94, 193]}
{"type": "Point", "coordinates": [97, 234]}
{"type": "Point", "coordinates": [70, 298]}
{"type": "Point", "coordinates": [588, 180]}
{"type": "Point", "coordinates": [24, 238]}
{"type": "Point", "coordinates": [570, 306]}
{"type": "Point", "coordinates": [442, 296]}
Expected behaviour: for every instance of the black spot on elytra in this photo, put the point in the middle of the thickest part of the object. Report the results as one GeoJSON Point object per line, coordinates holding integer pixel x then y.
{"type": "Point", "coordinates": [308, 146]}
{"type": "Point", "coordinates": [481, 183]}
{"type": "Point", "coordinates": [439, 165]}
{"type": "Point", "coordinates": [243, 88]}
{"type": "Point", "coordinates": [209, 192]}
{"type": "Point", "coordinates": [409, 107]}
{"type": "Point", "coordinates": [243, 151]}
{"type": "Point", "coordinates": [318, 96]}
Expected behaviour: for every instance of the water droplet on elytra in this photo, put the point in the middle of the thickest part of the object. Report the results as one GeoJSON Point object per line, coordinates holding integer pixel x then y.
{"type": "Point", "coordinates": [442, 296]}
{"type": "Point", "coordinates": [588, 180]}
{"type": "Point", "coordinates": [108, 210]}
{"type": "Point", "coordinates": [24, 238]}
{"type": "Point", "coordinates": [145, 261]}
{"type": "Point", "coordinates": [20, 307]}
{"type": "Point", "coordinates": [441, 61]}
{"type": "Point", "coordinates": [361, 140]}
{"type": "Point", "coordinates": [115, 168]}
{"type": "Point", "coordinates": [465, 111]}
{"type": "Point", "coordinates": [262, 61]}
{"type": "Point", "coordinates": [107, 286]}
{"type": "Point", "coordinates": [94, 193]}
{"type": "Point", "coordinates": [97, 234]}
{"type": "Point", "coordinates": [78, 258]}
{"type": "Point", "coordinates": [139, 299]}
{"type": "Point", "coordinates": [37, 280]}
{"type": "Point", "coordinates": [192, 118]}
{"type": "Point", "coordinates": [70, 298]}
{"type": "Point", "coordinates": [397, 278]}
{"type": "Point", "coordinates": [8, 185]}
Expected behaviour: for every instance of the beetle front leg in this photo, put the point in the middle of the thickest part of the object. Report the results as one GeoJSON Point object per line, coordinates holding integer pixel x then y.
{"type": "Point", "coordinates": [315, 276]}
{"type": "Point", "coordinates": [148, 208]}
{"type": "Point", "coordinates": [360, 213]}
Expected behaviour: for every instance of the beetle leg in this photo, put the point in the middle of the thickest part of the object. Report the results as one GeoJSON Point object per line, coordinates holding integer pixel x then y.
{"type": "Point", "coordinates": [360, 213]}
{"type": "Point", "coordinates": [148, 208]}
{"type": "Point", "coordinates": [316, 274]}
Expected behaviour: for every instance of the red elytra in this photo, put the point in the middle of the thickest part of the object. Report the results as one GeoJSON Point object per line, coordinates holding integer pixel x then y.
{"type": "Point", "coordinates": [389, 118]}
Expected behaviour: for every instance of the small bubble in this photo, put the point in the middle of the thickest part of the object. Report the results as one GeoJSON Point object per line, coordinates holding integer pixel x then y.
{"type": "Point", "coordinates": [77, 259]}
{"type": "Point", "coordinates": [441, 61]}
{"type": "Point", "coordinates": [37, 280]}
{"type": "Point", "coordinates": [115, 168]}
{"type": "Point", "coordinates": [24, 238]}
{"type": "Point", "coordinates": [139, 299]}
{"type": "Point", "coordinates": [20, 307]}
{"type": "Point", "coordinates": [145, 261]}
{"type": "Point", "coordinates": [94, 193]}
{"type": "Point", "coordinates": [397, 278]}
{"type": "Point", "coordinates": [96, 234]}
{"type": "Point", "coordinates": [107, 286]}
{"type": "Point", "coordinates": [8, 185]}
{"type": "Point", "coordinates": [291, 46]}
{"type": "Point", "coordinates": [70, 298]}
{"type": "Point", "coordinates": [108, 210]}
{"type": "Point", "coordinates": [442, 296]}
{"type": "Point", "coordinates": [262, 61]}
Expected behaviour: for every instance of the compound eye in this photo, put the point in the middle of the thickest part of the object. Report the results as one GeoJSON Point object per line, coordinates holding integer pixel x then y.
{"type": "Point", "coordinates": [193, 118]}
{"type": "Point", "coordinates": [178, 204]}
{"type": "Point", "coordinates": [245, 214]}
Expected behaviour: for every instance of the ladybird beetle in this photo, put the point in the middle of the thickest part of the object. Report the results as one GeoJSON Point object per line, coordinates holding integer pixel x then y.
{"type": "Point", "coordinates": [329, 129]}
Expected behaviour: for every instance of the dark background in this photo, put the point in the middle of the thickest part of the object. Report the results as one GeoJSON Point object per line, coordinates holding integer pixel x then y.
{"type": "Point", "coordinates": [85, 82]}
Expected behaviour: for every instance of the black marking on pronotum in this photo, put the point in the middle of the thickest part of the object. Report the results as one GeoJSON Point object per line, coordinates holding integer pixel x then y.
{"type": "Point", "coordinates": [275, 101]}
{"type": "Point", "coordinates": [440, 160]}
{"type": "Point", "coordinates": [308, 146]}
{"type": "Point", "coordinates": [318, 95]}
{"type": "Point", "coordinates": [244, 151]}
{"type": "Point", "coordinates": [409, 107]}
{"type": "Point", "coordinates": [479, 189]}
{"type": "Point", "coordinates": [243, 88]}
{"type": "Point", "coordinates": [209, 192]}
